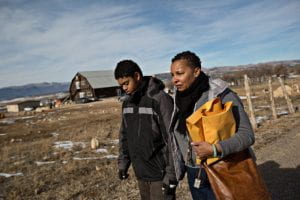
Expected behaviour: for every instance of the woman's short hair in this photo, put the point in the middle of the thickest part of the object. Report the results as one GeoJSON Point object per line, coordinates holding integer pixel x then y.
{"type": "Point", "coordinates": [192, 59]}
{"type": "Point", "coordinates": [126, 68]}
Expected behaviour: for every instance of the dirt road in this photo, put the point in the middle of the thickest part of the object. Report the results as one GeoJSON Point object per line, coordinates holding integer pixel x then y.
{"type": "Point", "coordinates": [278, 156]}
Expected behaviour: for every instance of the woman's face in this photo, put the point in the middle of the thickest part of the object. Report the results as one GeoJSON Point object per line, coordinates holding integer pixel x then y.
{"type": "Point", "coordinates": [183, 75]}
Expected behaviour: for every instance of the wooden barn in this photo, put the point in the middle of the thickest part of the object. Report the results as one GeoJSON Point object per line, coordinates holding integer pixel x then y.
{"type": "Point", "coordinates": [92, 85]}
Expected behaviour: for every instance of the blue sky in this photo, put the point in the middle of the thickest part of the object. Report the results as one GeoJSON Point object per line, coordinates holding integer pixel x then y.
{"type": "Point", "coordinates": [49, 41]}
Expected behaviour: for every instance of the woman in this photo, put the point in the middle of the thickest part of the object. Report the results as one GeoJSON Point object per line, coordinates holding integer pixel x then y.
{"type": "Point", "coordinates": [193, 89]}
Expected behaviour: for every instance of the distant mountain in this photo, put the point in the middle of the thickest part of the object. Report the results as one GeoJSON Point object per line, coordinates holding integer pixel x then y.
{"type": "Point", "coordinates": [218, 72]}
{"type": "Point", "coordinates": [8, 93]}
{"type": "Point", "coordinates": [221, 70]}
{"type": "Point", "coordinates": [45, 88]}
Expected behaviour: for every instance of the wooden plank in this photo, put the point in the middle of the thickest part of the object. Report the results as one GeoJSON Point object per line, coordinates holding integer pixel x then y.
{"type": "Point", "coordinates": [248, 95]}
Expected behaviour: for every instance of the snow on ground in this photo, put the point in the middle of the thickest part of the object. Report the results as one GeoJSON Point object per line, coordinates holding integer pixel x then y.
{"type": "Point", "coordinates": [101, 151]}
{"type": "Point", "coordinates": [68, 144]}
{"type": "Point", "coordinates": [9, 175]}
{"type": "Point", "coordinates": [244, 97]}
{"type": "Point", "coordinates": [97, 158]}
{"type": "Point", "coordinates": [7, 121]}
{"type": "Point", "coordinates": [260, 119]}
{"type": "Point", "coordinates": [39, 163]}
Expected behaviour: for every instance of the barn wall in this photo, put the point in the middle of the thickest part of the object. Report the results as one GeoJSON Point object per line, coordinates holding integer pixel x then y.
{"type": "Point", "coordinates": [17, 107]}
{"type": "Point", "coordinates": [31, 104]}
{"type": "Point", "coordinates": [12, 108]}
{"type": "Point", "coordinates": [106, 92]}
{"type": "Point", "coordinates": [80, 85]}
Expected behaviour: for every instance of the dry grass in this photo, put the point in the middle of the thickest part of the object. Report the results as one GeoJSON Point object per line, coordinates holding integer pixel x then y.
{"type": "Point", "coordinates": [31, 140]}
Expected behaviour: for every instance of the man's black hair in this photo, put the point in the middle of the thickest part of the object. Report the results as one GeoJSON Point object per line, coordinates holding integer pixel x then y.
{"type": "Point", "coordinates": [192, 59]}
{"type": "Point", "coordinates": [127, 68]}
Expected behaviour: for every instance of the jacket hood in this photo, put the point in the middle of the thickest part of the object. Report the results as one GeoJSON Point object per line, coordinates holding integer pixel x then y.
{"type": "Point", "coordinates": [217, 86]}
{"type": "Point", "coordinates": [154, 85]}
{"type": "Point", "coordinates": [149, 86]}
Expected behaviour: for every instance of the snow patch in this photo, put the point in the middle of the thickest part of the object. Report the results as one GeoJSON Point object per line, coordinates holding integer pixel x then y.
{"type": "Point", "coordinates": [68, 144]}
{"type": "Point", "coordinates": [244, 97]}
{"type": "Point", "coordinates": [97, 158]}
{"type": "Point", "coordinates": [39, 163]}
{"type": "Point", "coordinates": [101, 151]}
{"type": "Point", "coordinates": [87, 158]}
{"type": "Point", "coordinates": [7, 121]}
{"type": "Point", "coordinates": [54, 134]}
{"type": "Point", "coordinates": [110, 157]}
{"type": "Point", "coordinates": [260, 119]}
{"type": "Point", "coordinates": [9, 175]}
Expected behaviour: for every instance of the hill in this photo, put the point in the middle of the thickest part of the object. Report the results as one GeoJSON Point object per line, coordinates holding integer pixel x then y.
{"type": "Point", "coordinates": [8, 93]}
{"type": "Point", "coordinates": [225, 72]}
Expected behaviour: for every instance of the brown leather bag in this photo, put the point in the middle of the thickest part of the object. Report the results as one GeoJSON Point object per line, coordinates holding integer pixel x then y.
{"type": "Point", "coordinates": [236, 177]}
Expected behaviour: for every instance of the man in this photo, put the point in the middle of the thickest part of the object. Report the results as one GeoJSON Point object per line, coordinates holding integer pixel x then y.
{"type": "Point", "coordinates": [146, 115]}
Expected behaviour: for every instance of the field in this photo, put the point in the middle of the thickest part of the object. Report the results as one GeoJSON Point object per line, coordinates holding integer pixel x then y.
{"type": "Point", "coordinates": [47, 155]}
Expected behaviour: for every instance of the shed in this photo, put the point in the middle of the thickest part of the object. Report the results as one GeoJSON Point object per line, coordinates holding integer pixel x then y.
{"type": "Point", "coordinates": [21, 105]}
{"type": "Point", "coordinates": [93, 85]}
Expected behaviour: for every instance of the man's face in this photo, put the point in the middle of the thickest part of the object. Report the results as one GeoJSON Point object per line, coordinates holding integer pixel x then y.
{"type": "Point", "coordinates": [129, 84]}
{"type": "Point", "coordinates": [183, 75]}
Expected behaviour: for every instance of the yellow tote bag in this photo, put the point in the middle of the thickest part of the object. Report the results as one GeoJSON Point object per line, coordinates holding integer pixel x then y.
{"type": "Point", "coordinates": [211, 123]}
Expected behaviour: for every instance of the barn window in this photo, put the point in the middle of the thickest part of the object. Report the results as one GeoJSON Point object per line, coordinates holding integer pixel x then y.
{"type": "Point", "coordinates": [77, 83]}
{"type": "Point", "coordinates": [81, 94]}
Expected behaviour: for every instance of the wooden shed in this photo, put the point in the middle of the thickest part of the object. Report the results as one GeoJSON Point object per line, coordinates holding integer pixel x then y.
{"type": "Point", "coordinates": [21, 105]}
{"type": "Point", "coordinates": [93, 85]}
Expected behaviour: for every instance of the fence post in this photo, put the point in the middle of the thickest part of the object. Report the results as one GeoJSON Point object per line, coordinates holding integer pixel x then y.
{"type": "Point", "coordinates": [248, 95]}
{"type": "Point", "coordinates": [272, 99]}
{"type": "Point", "coordinates": [288, 100]}
{"type": "Point", "coordinates": [297, 88]}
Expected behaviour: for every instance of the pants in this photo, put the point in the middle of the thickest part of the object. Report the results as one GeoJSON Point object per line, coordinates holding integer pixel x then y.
{"type": "Point", "coordinates": [205, 191]}
{"type": "Point", "coordinates": [153, 191]}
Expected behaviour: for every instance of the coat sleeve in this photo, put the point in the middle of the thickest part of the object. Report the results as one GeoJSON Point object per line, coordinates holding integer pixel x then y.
{"type": "Point", "coordinates": [166, 108]}
{"type": "Point", "coordinates": [124, 158]}
{"type": "Point", "coordinates": [244, 136]}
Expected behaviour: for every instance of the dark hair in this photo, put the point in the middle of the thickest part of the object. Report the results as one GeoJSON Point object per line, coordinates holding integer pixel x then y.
{"type": "Point", "coordinates": [192, 59]}
{"type": "Point", "coordinates": [127, 68]}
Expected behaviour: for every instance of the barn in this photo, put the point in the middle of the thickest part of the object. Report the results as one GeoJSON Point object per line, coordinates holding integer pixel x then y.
{"type": "Point", "coordinates": [92, 85]}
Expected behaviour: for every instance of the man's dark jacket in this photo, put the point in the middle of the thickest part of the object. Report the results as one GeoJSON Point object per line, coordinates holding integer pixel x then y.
{"type": "Point", "coordinates": [143, 136]}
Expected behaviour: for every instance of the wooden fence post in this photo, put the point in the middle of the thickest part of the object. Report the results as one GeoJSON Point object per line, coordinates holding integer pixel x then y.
{"type": "Point", "coordinates": [288, 100]}
{"type": "Point", "coordinates": [248, 95]}
{"type": "Point", "coordinates": [297, 88]}
{"type": "Point", "coordinates": [272, 99]}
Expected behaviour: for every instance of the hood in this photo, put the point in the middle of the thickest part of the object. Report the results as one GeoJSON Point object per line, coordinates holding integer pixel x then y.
{"type": "Point", "coordinates": [217, 86]}
{"type": "Point", "coordinates": [154, 85]}
{"type": "Point", "coordinates": [150, 86]}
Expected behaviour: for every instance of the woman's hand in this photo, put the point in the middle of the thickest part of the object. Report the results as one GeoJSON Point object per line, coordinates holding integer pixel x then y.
{"type": "Point", "coordinates": [202, 149]}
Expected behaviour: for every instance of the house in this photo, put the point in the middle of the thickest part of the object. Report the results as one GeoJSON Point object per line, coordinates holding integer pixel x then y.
{"type": "Point", "coordinates": [92, 85]}
{"type": "Point", "coordinates": [22, 105]}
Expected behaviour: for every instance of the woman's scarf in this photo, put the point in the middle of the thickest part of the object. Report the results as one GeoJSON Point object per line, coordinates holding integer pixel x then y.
{"type": "Point", "coordinates": [185, 100]}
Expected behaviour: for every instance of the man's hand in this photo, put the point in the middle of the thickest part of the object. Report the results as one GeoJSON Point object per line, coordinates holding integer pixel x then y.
{"type": "Point", "coordinates": [169, 190]}
{"type": "Point", "coordinates": [202, 149]}
{"type": "Point", "coordinates": [123, 174]}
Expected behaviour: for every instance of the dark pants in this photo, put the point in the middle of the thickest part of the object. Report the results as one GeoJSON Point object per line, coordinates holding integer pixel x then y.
{"type": "Point", "coordinates": [153, 191]}
{"type": "Point", "coordinates": [205, 191]}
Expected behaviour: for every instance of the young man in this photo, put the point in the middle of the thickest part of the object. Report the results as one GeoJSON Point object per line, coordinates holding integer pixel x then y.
{"type": "Point", "coordinates": [146, 115]}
